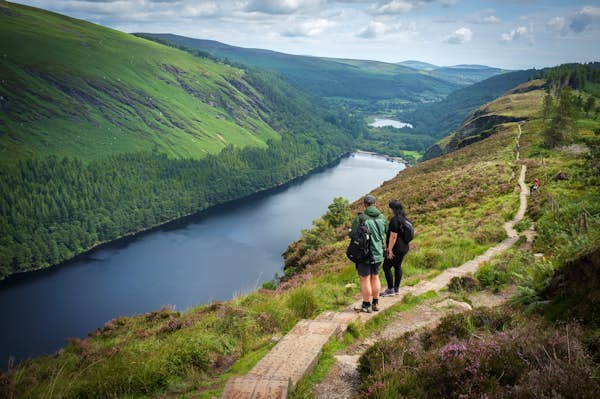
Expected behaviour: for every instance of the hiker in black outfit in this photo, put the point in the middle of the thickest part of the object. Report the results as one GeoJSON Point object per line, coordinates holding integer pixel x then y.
{"type": "Point", "coordinates": [396, 249]}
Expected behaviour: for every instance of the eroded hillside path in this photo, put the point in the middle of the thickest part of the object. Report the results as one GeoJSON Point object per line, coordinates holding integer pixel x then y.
{"type": "Point", "coordinates": [278, 372]}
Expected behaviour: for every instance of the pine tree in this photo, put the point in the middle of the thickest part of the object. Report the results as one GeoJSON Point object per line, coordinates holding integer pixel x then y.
{"type": "Point", "coordinates": [562, 126]}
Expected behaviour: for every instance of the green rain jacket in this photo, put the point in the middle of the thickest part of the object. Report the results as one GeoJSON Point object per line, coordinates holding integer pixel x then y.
{"type": "Point", "coordinates": [378, 226]}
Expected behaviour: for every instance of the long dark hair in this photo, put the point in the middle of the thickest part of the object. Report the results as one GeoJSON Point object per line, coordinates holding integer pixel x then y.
{"type": "Point", "coordinates": [397, 208]}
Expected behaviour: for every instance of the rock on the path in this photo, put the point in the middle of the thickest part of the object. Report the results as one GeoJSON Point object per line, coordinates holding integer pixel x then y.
{"type": "Point", "coordinates": [453, 305]}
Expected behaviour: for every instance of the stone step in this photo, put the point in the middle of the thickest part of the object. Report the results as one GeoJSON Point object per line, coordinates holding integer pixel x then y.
{"type": "Point", "coordinates": [292, 358]}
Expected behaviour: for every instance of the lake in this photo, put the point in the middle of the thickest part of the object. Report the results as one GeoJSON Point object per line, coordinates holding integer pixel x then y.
{"type": "Point", "coordinates": [390, 122]}
{"type": "Point", "coordinates": [214, 255]}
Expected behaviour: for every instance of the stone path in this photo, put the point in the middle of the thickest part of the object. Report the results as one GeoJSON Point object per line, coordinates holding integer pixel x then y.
{"type": "Point", "coordinates": [276, 374]}
{"type": "Point", "coordinates": [342, 381]}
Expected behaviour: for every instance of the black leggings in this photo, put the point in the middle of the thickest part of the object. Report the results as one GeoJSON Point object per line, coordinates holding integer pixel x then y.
{"type": "Point", "coordinates": [396, 263]}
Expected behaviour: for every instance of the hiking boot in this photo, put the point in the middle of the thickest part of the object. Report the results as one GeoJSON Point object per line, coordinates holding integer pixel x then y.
{"type": "Point", "coordinates": [388, 292]}
{"type": "Point", "coordinates": [365, 308]}
{"type": "Point", "coordinates": [396, 290]}
{"type": "Point", "coordinates": [375, 307]}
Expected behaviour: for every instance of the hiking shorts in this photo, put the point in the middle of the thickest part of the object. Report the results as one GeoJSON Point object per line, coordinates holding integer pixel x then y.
{"type": "Point", "coordinates": [367, 269]}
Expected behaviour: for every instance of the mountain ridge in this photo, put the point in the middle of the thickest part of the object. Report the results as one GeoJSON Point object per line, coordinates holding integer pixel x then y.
{"type": "Point", "coordinates": [331, 77]}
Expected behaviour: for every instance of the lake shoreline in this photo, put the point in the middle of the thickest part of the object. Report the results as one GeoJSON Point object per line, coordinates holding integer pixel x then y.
{"type": "Point", "coordinates": [182, 220]}
{"type": "Point", "coordinates": [388, 157]}
{"type": "Point", "coordinates": [174, 264]}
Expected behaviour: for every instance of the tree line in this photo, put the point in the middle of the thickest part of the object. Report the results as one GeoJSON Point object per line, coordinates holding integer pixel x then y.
{"type": "Point", "coordinates": [571, 93]}
{"type": "Point", "coordinates": [52, 208]}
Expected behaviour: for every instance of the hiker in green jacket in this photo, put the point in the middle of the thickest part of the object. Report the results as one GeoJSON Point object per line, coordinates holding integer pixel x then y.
{"type": "Point", "coordinates": [369, 271]}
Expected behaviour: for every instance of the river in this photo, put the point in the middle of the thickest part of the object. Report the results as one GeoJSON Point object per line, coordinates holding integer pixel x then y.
{"type": "Point", "coordinates": [214, 255]}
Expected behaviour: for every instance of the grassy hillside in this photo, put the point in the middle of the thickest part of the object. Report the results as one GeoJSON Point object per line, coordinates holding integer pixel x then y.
{"type": "Point", "coordinates": [103, 134]}
{"type": "Point", "coordinates": [438, 119]}
{"type": "Point", "coordinates": [545, 344]}
{"type": "Point", "coordinates": [327, 77]}
{"type": "Point", "coordinates": [74, 88]}
{"type": "Point", "coordinates": [517, 103]}
{"type": "Point", "coordinates": [434, 120]}
{"type": "Point", "coordinates": [365, 88]}
{"type": "Point", "coordinates": [458, 203]}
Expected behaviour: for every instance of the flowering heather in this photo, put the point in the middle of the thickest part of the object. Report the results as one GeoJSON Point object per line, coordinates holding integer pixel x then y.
{"type": "Point", "coordinates": [529, 359]}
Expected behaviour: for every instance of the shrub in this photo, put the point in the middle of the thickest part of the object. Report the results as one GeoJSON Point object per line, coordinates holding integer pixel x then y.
{"type": "Point", "coordinates": [495, 357]}
{"type": "Point", "coordinates": [489, 234]}
{"type": "Point", "coordinates": [303, 303]}
{"type": "Point", "coordinates": [464, 283]}
{"type": "Point", "coordinates": [523, 225]}
{"type": "Point", "coordinates": [492, 276]}
{"type": "Point", "coordinates": [338, 213]}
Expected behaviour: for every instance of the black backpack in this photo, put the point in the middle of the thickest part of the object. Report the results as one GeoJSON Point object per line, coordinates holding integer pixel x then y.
{"type": "Point", "coordinates": [408, 230]}
{"type": "Point", "coordinates": [359, 249]}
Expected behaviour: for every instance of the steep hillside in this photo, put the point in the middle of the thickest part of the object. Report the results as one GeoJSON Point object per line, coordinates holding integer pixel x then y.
{"type": "Point", "coordinates": [458, 203]}
{"type": "Point", "coordinates": [195, 352]}
{"type": "Point", "coordinates": [438, 119]}
{"type": "Point", "coordinates": [432, 121]}
{"type": "Point", "coordinates": [330, 77]}
{"type": "Point", "coordinates": [103, 134]}
{"type": "Point", "coordinates": [514, 106]}
{"type": "Point", "coordinates": [583, 79]}
{"type": "Point", "coordinates": [74, 88]}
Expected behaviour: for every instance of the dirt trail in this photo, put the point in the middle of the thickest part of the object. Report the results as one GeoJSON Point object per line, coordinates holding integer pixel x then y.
{"type": "Point", "coordinates": [276, 374]}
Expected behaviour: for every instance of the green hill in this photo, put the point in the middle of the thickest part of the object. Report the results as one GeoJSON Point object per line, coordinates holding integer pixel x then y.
{"type": "Point", "coordinates": [458, 203]}
{"type": "Point", "coordinates": [104, 134]}
{"type": "Point", "coordinates": [431, 121]}
{"type": "Point", "coordinates": [74, 88]}
{"type": "Point", "coordinates": [516, 104]}
{"type": "Point", "coordinates": [330, 77]}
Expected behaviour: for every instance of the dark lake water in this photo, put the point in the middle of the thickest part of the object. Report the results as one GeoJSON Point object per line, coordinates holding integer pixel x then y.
{"type": "Point", "coordinates": [212, 256]}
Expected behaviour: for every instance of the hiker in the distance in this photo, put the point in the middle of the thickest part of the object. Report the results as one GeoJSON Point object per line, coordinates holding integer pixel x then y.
{"type": "Point", "coordinates": [396, 249]}
{"type": "Point", "coordinates": [368, 270]}
{"type": "Point", "coordinates": [534, 186]}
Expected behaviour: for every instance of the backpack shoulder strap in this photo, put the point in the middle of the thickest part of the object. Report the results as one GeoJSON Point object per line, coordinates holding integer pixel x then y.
{"type": "Point", "coordinates": [361, 218]}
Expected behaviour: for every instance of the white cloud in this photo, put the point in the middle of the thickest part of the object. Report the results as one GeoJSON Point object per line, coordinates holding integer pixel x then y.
{"type": "Point", "coordinates": [393, 7]}
{"type": "Point", "coordinates": [377, 29]}
{"type": "Point", "coordinates": [515, 34]}
{"type": "Point", "coordinates": [585, 18]}
{"type": "Point", "coordinates": [309, 28]}
{"type": "Point", "coordinates": [484, 17]}
{"type": "Point", "coordinates": [459, 36]}
{"type": "Point", "coordinates": [491, 19]}
{"type": "Point", "coordinates": [557, 24]}
{"type": "Point", "coordinates": [281, 6]}
{"type": "Point", "coordinates": [448, 3]}
{"type": "Point", "coordinates": [373, 30]}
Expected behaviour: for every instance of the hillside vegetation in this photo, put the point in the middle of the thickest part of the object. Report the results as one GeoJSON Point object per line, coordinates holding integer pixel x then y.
{"type": "Point", "coordinates": [329, 77]}
{"type": "Point", "coordinates": [105, 134]}
{"type": "Point", "coordinates": [427, 97]}
{"type": "Point", "coordinates": [516, 105]}
{"type": "Point", "coordinates": [545, 343]}
{"type": "Point", "coordinates": [458, 203]}
{"type": "Point", "coordinates": [74, 88]}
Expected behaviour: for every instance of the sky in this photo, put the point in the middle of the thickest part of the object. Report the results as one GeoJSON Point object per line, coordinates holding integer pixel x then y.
{"type": "Point", "coordinates": [512, 34]}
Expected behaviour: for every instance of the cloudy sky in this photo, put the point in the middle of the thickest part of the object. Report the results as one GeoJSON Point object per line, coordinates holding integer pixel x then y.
{"type": "Point", "coordinates": [505, 33]}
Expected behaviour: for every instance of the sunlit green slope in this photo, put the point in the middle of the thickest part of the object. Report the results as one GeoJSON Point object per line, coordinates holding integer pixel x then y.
{"type": "Point", "coordinates": [74, 88]}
